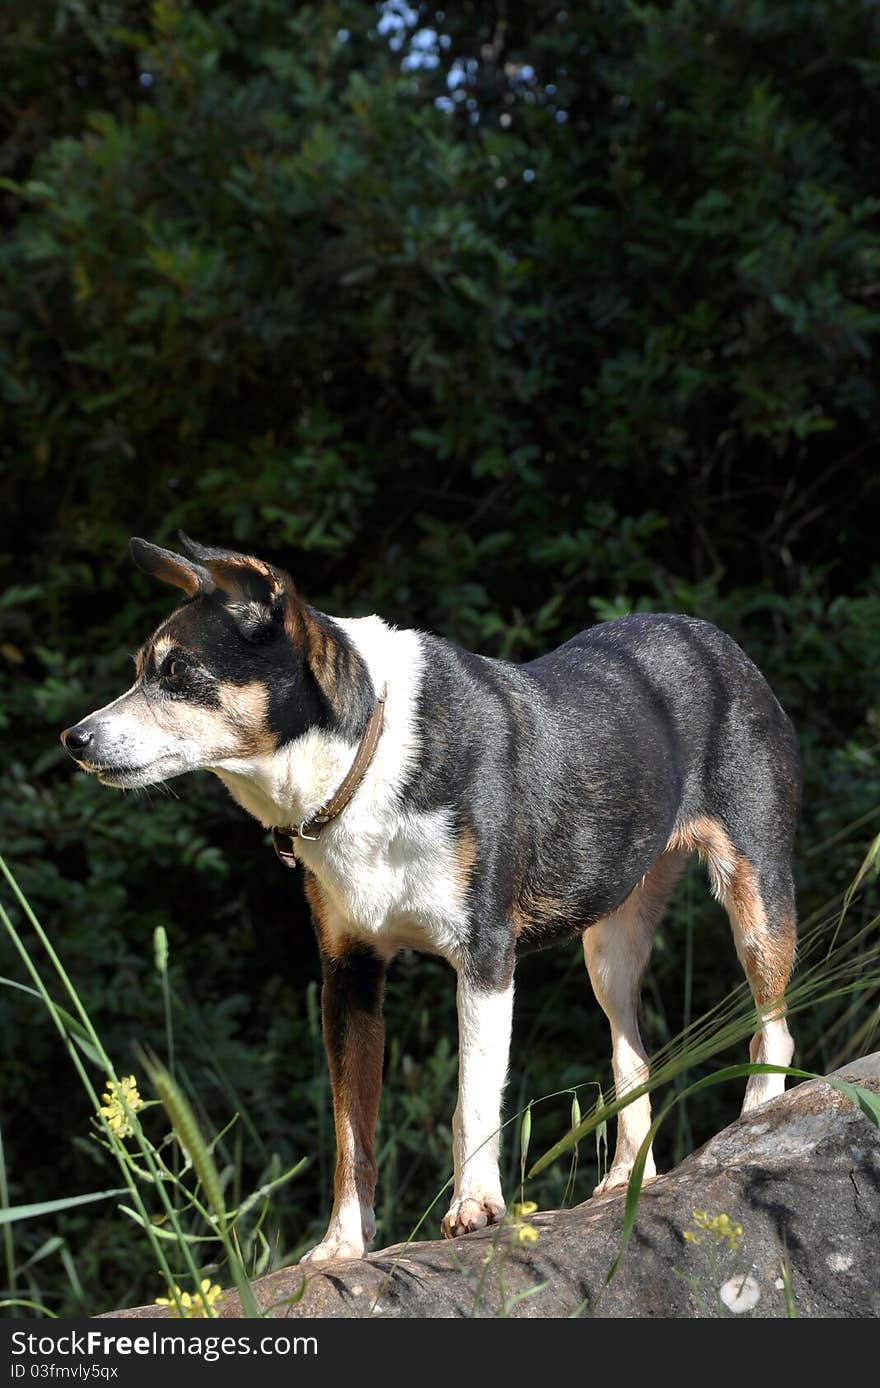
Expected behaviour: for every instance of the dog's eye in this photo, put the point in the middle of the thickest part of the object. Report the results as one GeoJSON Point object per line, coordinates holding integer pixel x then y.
{"type": "Point", "coordinates": [174, 668]}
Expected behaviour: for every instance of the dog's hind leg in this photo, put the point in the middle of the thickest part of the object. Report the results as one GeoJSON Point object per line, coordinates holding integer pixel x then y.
{"type": "Point", "coordinates": [616, 950]}
{"type": "Point", "coordinates": [751, 875]}
{"type": "Point", "coordinates": [761, 907]}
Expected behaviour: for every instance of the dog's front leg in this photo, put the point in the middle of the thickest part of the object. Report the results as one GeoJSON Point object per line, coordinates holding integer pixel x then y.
{"type": "Point", "coordinates": [484, 1022]}
{"type": "Point", "coordinates": [354, 1038]}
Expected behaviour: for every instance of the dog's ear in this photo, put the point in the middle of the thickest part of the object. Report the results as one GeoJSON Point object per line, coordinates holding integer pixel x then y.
{"type": "Point", "coordinates": [255, 593]}
{"type": "Point", "coordinates": [171, 568]}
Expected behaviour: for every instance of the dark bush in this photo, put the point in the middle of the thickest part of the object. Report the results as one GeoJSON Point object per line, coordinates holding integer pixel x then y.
{"type": "Point", "coordinates": [497, 324]}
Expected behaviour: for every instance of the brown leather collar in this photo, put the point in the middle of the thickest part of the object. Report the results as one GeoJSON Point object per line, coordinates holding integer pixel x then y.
{"type": "Point", "coordinates": [282, 838]}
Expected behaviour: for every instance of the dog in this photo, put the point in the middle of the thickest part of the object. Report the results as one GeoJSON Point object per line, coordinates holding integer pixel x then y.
{"type": "Point", "coordinates": [477, 809]}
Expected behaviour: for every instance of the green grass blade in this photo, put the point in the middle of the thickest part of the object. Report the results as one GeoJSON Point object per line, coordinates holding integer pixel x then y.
{"type": "Point", "coordinates": [160, 1233]}
{"type": "Point", "coordinates": [77, 1030]}
{"type": "Point", "coordinates": [13, 1213]}
{"type": "Point", "coordinates": [634, 1190]}
{"type": "Point", "coordinates": [867, 1100]}
{"type": "Point", "coordinates": [266, 1190]}
{"type": "Point", "coordinates": [45, 1250]}
{"type": "Point", "coordinates": [29, 1306]}
{"type": "Point", "coordinates": [8, 1242]}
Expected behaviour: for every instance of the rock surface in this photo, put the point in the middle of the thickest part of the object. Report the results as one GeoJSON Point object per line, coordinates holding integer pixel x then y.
{"type": "Point", "coordinates": [801, 1175]}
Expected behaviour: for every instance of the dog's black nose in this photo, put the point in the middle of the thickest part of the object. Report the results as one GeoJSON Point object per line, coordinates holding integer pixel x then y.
{"type": "Point", "coordinates": [75, 739]}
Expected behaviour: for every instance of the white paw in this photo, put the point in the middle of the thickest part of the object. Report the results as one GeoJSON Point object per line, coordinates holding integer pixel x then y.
{"type": "Point", "coordinates": [472, 1212]}
{"type": "Point", "coordinates": [618, 1178]}
{"type": "Point", "coordinates": [334, 1250]}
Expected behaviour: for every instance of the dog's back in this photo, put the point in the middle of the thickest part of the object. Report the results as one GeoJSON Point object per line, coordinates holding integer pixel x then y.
{"type": "Point", "coordinates": [578, 769]}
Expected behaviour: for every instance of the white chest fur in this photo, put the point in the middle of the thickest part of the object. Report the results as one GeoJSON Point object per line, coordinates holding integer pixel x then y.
{"type": "Point", "coordinates": [387, 874]}
{"type": "Point", "coordinates": [396, 888]}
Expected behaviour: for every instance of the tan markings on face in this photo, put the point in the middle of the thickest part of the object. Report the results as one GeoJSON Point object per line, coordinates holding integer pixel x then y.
{"type": "Point", "coordinates": [236, 728]}
{"type": "Point", "coordinates": [159, 644]}
{"type": "Point", "coordinates": [247, 706]}
{"type": "Point", "coordinates": [766, 950]}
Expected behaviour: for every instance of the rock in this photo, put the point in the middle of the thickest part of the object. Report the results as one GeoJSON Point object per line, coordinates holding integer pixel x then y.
{"type": "Point", "coordinates": [801, 1175]}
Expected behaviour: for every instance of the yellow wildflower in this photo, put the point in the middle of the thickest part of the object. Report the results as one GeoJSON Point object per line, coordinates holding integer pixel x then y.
{"type": "Point", "coordinates": [192, 1307]}
{"type": "Point", "coordinates": [526, 1207]}
{"type": "Point", "coordinates": [720, 1228]}
{"type": "Point", "coordinates": [518, 1220]}
{"type": "Point", "coordinates": [113, 1109]}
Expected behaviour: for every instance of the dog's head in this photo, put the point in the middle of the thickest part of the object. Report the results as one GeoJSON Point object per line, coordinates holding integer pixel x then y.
{"type": "Point", "coordinates": [241, 668]}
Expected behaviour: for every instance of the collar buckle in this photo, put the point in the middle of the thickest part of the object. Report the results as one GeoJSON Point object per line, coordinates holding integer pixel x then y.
{"type": "Point", "coordinates": [353, 778]}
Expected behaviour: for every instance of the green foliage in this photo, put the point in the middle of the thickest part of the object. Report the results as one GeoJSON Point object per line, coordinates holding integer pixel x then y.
{"type": "Point", "coordinates": [593, 330]}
